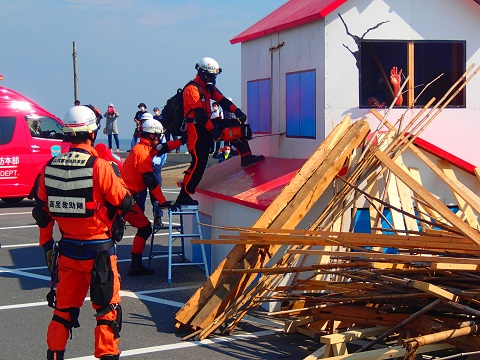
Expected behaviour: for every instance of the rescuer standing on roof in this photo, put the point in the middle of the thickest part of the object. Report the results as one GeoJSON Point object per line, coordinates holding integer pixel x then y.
{"type": "Point", "coordinates": [200, 129]}
{"type": "Point", "coordinates": [81, 192]}
{"type": "Point", "coordinates": [137, 173]}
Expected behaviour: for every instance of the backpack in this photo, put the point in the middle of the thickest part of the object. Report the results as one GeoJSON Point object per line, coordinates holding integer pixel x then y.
{"type": "Point", "coordinates": [172, 113]}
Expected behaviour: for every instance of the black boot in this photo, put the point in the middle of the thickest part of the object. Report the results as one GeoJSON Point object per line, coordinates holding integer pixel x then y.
{"type": "Point", "coordinates": [110, 357]}
{"type": "Point", "coordinates": [55, 355]}
{"type": "Point", "coordinates": [185, 199]}
{"type": "Point", "coordinates": [243, 149]}
{"type": "Point", "coordinates": [250, 159]}
{"type": "Point", "coordinates": [137, 268]}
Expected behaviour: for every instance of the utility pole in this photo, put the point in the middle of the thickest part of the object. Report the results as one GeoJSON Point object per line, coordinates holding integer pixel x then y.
{"type": "Point", "coordinates": [75, 78]}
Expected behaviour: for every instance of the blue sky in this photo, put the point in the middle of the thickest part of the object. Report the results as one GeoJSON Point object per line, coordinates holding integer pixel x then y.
{"type": "Point", "coordinates": [128, 51]}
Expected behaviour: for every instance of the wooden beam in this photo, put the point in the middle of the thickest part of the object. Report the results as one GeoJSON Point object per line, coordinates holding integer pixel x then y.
{"type": "Point", "coordinates": [429, 198]}
{"type": "Point", "coordinates": [387, 257]}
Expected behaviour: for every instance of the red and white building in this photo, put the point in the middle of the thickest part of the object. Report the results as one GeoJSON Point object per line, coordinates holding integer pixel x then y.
{"type": "Point", "coordinates": [311, 62]}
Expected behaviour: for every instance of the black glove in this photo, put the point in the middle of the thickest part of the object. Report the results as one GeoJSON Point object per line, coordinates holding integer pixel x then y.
{"type": "Point", "coordinates": [162, 149]}
{"type": "Point", "coordinates": [241, 117]}
{"type": "Point", "coordinates": [172, 205]}
{"type": "Point", "coordinates": [48, 249]}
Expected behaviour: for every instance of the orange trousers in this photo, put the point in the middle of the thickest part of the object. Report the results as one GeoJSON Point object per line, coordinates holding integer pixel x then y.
{"type": "Point", "coordinates": [74, 283]}
{"type": "Point", "coordinates": [137, 219]}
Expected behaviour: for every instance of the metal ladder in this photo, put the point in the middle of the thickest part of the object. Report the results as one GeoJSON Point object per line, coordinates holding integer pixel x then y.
{"type": "Point", "coordinates": [177, 232]}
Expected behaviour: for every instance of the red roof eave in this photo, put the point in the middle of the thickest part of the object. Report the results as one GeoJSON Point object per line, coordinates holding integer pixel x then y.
{"type": "Point", "coordinates": [266, 27]}
{"type": "Point", "coordinates": [286, 17]}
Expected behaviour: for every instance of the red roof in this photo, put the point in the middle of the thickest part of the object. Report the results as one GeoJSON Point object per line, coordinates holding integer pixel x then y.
{"type": "Point", "coordinates": [255, 186]}
{"type": "Point", "coordinates": [291, 14]}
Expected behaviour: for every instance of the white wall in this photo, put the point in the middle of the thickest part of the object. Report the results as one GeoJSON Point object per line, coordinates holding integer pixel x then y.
{"type": "Point", "coordinates": [301, 51]}
{"type": "Point", "coordinates": [222, 214]}
{"type": "Point", "coordinates": [454, 130]}
{"type": "Point", "coordinates": [321, 45]}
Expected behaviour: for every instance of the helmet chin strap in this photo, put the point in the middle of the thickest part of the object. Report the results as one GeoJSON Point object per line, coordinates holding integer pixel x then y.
{"type": "Point", "coordinates": [93, 137]}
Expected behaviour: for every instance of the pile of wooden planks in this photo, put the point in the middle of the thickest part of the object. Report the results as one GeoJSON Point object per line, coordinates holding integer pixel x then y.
{"type": "Point", "coordinates": [413, 276]}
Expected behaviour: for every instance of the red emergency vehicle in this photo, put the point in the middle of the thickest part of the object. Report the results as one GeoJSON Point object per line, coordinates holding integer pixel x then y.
{"type": "Point", "coordinates": [29, 137]}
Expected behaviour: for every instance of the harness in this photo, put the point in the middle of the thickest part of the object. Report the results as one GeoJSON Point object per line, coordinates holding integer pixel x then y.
{"type": "Point", "coordinates": [186, 119]}
{"type": "Point", "coordinates": [115, 325]}
{"type": "Point", "coordinates": [84, 250]}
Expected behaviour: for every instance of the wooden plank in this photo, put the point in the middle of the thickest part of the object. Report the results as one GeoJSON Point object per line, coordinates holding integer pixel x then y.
{"type": "Point", "coordinates": [469, 216]}
{"type": "Point", "coordinates": [429, 198]}
{"type": "Point", "coordinates": [434, 290]}
{"type": "Point", "coordinates": [304, 174]}
{"type": "Point", "coordinates": [353, 334]}
{"type": "Point", "coordinates": [423, 211]}
{"type": "Point", "coordinates": [454, 267]}
{"type": "Point", "coordinates": [406, 199]}
{"type": "Point", "coordinates": [388, 257]}
{"type": "Point", "coordinates": [307, 196]}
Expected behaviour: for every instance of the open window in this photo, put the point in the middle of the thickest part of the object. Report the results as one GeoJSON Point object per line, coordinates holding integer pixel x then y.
{"type": "Point", "coordinates": [44, 127]}
{"type": "Point", "coordinates": [422, 60]}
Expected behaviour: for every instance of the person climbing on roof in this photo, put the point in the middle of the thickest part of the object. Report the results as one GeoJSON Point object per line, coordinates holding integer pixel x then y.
{"type": "Point", "coordinates": [200, 129]}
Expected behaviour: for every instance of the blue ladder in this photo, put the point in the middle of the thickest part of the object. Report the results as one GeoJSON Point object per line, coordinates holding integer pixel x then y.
{"type": "Point", "coordinates": [177, 232]}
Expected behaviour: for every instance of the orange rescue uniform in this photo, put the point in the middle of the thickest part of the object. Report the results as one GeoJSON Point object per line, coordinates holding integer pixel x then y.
{"type": "Point", "coordinates": [74, 275]}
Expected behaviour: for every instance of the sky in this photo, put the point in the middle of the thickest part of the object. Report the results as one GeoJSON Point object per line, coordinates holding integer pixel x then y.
{"type": "Point", "coordinates": [128, 51]}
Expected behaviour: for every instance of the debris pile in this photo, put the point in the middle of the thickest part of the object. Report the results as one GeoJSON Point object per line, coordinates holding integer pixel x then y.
{"type": "Point", "coordinates": [414, 275]}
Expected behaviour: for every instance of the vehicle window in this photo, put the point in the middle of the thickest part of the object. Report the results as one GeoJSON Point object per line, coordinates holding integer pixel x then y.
{"type": "Point", "coordinates": [423, 60]}
{"type": "Point", "coordinates": [44, 127]}
{"type": "Point", "coordinates": [7, 125]}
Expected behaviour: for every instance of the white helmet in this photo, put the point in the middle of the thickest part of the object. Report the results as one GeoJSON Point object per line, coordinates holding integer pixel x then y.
{"type": "Point", "coordinates": [80, 119]}
{"type": "Point", "coordinates": [207, 64]}
{"type": "Point", "coordinates": [146, 116]}
{"type": "Point", "coordinates": [152, 126]}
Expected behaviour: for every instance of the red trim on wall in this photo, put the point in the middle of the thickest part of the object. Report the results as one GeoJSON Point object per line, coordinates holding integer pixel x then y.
{"type": "Point", "coordinates": [452, 159]}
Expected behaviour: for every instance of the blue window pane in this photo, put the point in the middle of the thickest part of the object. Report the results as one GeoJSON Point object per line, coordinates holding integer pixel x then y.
{"type": "Point", "coordinates": [300, 104]}
{"type": "Point", "coordinates": [258, 103]}
{"type": "Point", "coordinates": [265, 118]}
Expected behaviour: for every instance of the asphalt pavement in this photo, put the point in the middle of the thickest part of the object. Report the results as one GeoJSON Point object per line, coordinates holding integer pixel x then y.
{"type": "Point", "coordinates": [149, 304]}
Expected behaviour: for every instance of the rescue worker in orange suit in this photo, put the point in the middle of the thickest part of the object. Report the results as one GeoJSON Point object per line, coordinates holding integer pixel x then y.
{"type": "Point", "coordinates": [137, 173]}
{"type": "Point", "coordinates": [78, 190]}
{"type": "Point", "coordinates": [200, 129]}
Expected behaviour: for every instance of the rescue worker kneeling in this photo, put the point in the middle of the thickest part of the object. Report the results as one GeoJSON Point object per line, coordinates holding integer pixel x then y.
{"type": "Point", "coordinates": [76, 189]}
{"type": "Point", "coordinates": [137, 173]}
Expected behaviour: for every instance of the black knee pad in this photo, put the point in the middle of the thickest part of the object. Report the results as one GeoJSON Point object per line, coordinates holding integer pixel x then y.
{"type": "Point", "coordinates": [145, 231]}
